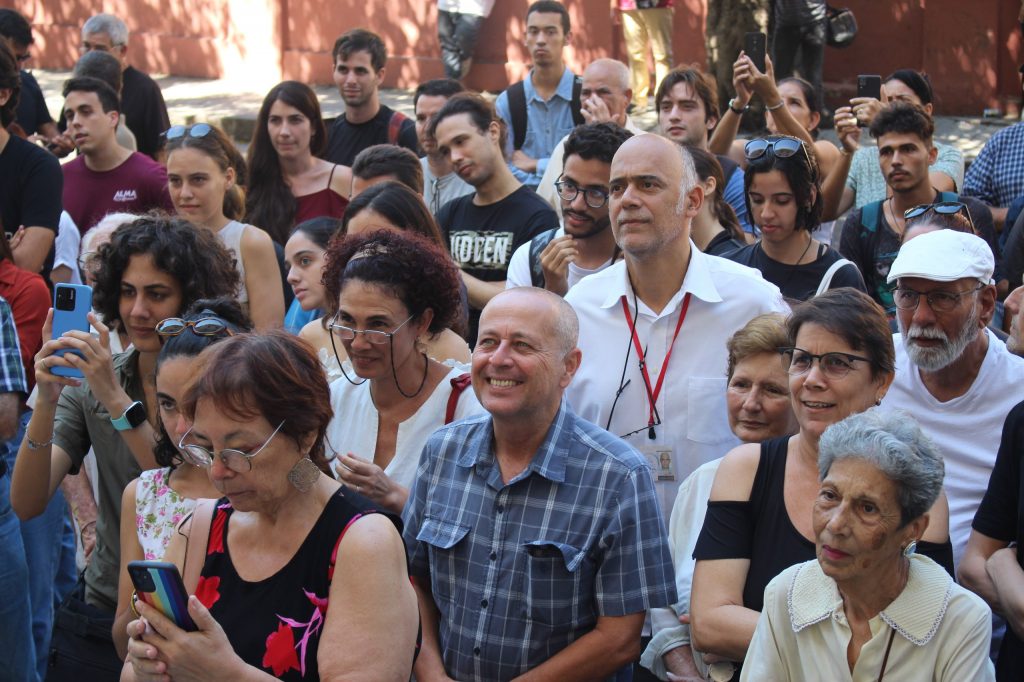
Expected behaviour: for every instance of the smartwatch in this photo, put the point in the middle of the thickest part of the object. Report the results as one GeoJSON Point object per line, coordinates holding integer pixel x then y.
{"type": "Point", "coordinates": [133, 416]}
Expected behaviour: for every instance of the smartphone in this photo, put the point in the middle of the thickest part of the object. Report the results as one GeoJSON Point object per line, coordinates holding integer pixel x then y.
{"type": "Point", "coordinates": [869, 86]}
{"type": "Point", "coordinates": [71, 305]}
{"type": "Point", "coordinates": [159, 584]}
{"type": "Point", "coordinates": [754, 45]}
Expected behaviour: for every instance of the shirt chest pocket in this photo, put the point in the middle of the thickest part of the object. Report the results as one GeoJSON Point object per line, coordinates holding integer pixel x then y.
{"type": "Point", "coordinates": [557, 583]}
{"type": "Point", "coordinates": [442, 536]}
{"type": "Point", "coordinates": [707, 413]}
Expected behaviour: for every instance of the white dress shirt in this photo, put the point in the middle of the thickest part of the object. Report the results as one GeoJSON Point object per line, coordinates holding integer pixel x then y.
{"type": "Point", "coordinates": [691, 405]}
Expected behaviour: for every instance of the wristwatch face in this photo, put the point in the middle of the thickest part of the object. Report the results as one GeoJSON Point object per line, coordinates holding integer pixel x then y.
{"type": "Point", "coordinates": [135, 414]}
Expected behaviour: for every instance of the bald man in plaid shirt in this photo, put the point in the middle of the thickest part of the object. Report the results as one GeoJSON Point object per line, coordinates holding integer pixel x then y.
{"type": "Point", "coordinates": [535, 539]}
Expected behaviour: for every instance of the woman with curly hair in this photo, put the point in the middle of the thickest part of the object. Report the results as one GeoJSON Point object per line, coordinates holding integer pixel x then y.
{"type": "Point", "coordinates": [391, 289]}
{"type": "Point", "coordinates": [155, 502]}
{"type": "Point", "coordinates": [288, 182]}
{"type": "Point", "coordinates": [152, 269]}
{"type": "Point", "coordinates": [390, 206]}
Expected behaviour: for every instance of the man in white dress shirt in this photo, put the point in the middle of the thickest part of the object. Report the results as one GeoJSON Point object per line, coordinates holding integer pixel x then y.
{"type": "Point", "coordinates": [666, 301]}
{"type": "Point", "coordinates": [952, 374]}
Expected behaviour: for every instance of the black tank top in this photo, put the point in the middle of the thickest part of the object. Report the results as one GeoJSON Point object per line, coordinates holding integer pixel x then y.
{"type": "Point", "coordinates": [267, 621]}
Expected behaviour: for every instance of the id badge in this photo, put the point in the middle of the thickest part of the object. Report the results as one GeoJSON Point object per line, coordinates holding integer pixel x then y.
{"type": "Point", "coordinates": [660, 457]}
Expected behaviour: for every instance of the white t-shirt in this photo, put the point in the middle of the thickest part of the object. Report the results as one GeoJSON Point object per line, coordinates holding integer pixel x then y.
{"type": "Point", "coordinates": [66, 246]}
{"type": "Point", "coordinates": [694, 421]}
{"type": "Point", "coordinates": [354, 425]}
{"type": "Point", "coordinates": [519, 267]}
{"type": "Point", "coordinates": [967, 429]}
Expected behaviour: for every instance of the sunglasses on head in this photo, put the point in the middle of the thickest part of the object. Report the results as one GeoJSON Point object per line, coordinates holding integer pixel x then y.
{"type": "Point", "coordinates": [783, 148]}
{"type": "Point", "coordinates": [197, 130]}
{"type": "Point", "coordinates": [207, 326]}
{"type": "Point", "coordinates": [942, 207]}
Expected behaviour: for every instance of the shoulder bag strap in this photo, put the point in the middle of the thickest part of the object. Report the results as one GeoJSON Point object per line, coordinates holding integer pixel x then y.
{"type": "Point", "coordinates": [198, 539]}
{"type": "Point", "coordinates": [826, 280]}
{"type": "Point", "coordinates": [517, 110]}
{"type": "Point", "coordinates": [459, 384]}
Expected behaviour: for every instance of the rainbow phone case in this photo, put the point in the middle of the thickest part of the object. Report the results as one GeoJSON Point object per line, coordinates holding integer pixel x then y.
{"type": "Point", "coordinates": [159, 584]}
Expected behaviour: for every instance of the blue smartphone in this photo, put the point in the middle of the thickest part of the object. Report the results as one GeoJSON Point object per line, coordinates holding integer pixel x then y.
{"type": "Point", "coordinates": [71, 305]}
{"type": "Point", "coordinates": [159, 584]}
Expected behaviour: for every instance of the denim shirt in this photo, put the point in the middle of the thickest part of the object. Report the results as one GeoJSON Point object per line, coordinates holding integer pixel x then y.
{"type": "Point", "coordinates": [547, 122]}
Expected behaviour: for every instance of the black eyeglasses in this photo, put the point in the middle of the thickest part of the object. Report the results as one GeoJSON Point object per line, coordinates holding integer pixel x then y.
{"type": "Point", "coordinates": [197, 130]}
{"type": "Point", "coordinates": [942, 207]}
{"type": "Point", "coordinates": [782, 147]}
{"type": "Point", "coordinates": [208, 326]}
{"type": "Point", "coordinates": [938, 301]}
{"type": "Point", "coordinates": [593, 196]}
{"type": "Point", "coordinates": [797, 361]}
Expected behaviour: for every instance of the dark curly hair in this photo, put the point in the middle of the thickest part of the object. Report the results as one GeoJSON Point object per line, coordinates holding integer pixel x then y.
{"type": "Point", "coordinates": [275, 375]}
{"type": "Point", "coordinates": [194, 257]}
{"type": "Point", "coordinates": [802, 174]}
{"type": "Point", "coordinates": [595, 141]}
{"type": "Point", "coordinates": [903, 118]}
{"type": "Point", "coordinates": [416, 271]}
{"type": "Point", "coordinates": [189, 345]}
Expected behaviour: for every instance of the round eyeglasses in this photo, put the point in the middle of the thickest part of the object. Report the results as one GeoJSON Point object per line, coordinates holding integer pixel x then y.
{"type": "Point", "coordinates": [593, 196]}
{"type": "Point", "coordinates": [236, 460]}
{"type": "Point", "coordinates": [797, 361]}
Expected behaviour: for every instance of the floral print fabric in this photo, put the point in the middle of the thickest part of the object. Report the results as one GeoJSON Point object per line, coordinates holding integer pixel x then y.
{"type": "Point", "coordinates": [158, 510]}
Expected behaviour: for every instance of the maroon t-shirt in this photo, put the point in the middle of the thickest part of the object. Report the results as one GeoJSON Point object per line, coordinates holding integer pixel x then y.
{"type": "Point", "coordinates": [136, 186]}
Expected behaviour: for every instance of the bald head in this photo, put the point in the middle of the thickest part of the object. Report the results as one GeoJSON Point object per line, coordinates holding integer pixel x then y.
{"type": "Point", "coordinates": [554, 315]}
{"type": "Point", "coordinates": [607, 81]}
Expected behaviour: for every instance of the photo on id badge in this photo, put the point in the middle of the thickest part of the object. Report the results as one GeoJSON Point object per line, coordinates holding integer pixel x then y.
{"type": "Point", "coordinates": [660, 457]}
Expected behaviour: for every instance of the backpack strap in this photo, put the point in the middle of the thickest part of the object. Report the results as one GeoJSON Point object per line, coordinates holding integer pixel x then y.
{"type": "Point", "coordinates": [537, 246]}
{"type": "Point", "coordinates": [198, 540]}
{"type": "Point", "coordinates": [826, 280]}
{"type": "Point", "coordinates": [576, 103]}
{"type": "Point", "coordinates": [395, 126]}
{"type": "Point", "coordinates": [517, 109]}
{"type": "Point", "coordinates": [459, 384]}
{"type": "Point", "coordinates": [869, 214]}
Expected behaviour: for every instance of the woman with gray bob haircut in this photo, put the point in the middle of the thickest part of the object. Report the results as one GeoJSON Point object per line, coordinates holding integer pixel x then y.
{"type": "Point", "coordinates": [893, 442]}
{"type": "Point", "coordinates": [869, 607]}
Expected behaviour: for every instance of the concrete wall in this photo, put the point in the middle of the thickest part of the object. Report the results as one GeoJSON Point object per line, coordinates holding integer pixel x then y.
{"type": "Point", "coordinates": [971, 49]}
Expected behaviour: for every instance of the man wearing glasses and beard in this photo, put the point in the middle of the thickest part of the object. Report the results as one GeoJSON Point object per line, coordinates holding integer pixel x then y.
{"type": "Point", "coordinates": [558, 259]}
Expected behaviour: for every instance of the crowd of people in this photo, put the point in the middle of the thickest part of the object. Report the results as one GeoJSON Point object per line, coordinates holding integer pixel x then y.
{"type": "Point", "coordinates": [518, 389]}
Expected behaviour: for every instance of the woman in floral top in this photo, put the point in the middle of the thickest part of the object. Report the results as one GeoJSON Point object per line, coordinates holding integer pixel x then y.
{"type": "Point", "coordinates": [155, 503]}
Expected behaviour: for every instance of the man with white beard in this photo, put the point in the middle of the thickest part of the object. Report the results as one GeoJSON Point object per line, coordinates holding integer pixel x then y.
{"type": "Point", "coordinates": [952, 374]}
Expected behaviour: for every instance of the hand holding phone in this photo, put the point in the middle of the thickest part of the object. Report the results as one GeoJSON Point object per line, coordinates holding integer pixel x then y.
{"type": "Point", "coordinates": [159, 584]}
{"type": "Point", "coordinates": [71, 306]}
{"type": "Point", "coordinates": [869, 86]}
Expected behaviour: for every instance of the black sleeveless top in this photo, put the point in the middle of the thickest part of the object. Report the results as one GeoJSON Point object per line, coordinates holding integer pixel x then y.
{"type": "Point", "coordinates": [761, 530]}
{"type": "Point", "coordinates": [275, 624]}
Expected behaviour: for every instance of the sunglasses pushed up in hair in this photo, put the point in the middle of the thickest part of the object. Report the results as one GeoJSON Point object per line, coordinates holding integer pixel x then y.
{"type": "Point", "coordinates": [197, 130]}
{"type": "Point", "coordinates": [207, 326]}
{"type": "Point", "coordinates": [782, 147]}
{"type": "Point", "coordinates": [942, 207]}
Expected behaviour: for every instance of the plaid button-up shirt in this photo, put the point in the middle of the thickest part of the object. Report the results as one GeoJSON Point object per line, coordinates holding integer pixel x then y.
{"type": "Point", "coordinates": [520, 570]}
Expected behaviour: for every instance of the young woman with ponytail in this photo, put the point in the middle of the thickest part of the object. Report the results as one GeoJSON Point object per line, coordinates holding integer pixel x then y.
{"type": "Point", "coordinates": [204, 175]}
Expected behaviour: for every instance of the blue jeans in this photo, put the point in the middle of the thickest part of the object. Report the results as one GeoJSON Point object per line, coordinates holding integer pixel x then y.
{"type": "Point", "coordinates": [18, 651]}
{"type": "Point", "coordinates": [49, 549]}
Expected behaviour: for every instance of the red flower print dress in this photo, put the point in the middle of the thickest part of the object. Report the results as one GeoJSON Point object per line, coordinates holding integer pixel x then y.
{"type": "Point", "coordinates": [275, 624]}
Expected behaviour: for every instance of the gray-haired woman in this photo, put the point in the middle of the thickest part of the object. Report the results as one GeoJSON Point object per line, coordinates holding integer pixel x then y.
{"type": "Point", "coordinates": [868, 607]}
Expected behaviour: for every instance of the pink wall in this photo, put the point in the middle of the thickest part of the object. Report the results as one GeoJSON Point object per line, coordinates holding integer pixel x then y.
{"type": "Point", "coordinates": [971, 49]}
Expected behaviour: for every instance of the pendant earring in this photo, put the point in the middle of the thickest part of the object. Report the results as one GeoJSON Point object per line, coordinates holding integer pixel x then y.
{"type": "Point", "coordinates": [910, 549]}
{"type": "Point", "coordinates": [304, 475]}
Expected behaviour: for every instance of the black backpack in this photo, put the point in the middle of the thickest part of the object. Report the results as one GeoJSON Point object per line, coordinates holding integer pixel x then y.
{"type": "Point", "coordinates": [517, 109]}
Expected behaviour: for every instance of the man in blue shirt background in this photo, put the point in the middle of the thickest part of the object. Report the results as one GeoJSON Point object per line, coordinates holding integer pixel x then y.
{"type": "Point", "coordinates": [548, 92]}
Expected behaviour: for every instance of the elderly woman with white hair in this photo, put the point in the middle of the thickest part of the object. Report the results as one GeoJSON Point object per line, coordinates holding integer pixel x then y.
{"type": "Point", "coordinates": [868, 607]}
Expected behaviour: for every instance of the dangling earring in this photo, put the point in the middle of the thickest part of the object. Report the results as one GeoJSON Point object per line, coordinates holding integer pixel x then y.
{"type": "Point", "coordinates": [910, 549]}
{"type": "Point", "coordinates": [304, 475]}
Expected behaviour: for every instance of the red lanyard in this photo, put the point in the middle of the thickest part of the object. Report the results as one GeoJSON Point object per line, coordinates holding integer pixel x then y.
{"type": "Point", "coordinates": [652, 394]}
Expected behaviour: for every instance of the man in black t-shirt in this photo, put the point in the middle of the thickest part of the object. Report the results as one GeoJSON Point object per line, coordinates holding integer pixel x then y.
{"type": "Point", "coordinates": [872, 234]}
{"type": "Point", "coordinates": [484, 228]}
{"type": "Point", "coordinates": [30, 180]}
{"type": "Point", "coordinates": [32, 114]}
{"type": "Point", "coordinates": [359, 60]}
{"type": "Point", "coordinates": [142, 102]}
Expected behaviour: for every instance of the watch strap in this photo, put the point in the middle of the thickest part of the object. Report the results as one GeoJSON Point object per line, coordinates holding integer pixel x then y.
{"type": "Point", "coordinates": [132, 416]}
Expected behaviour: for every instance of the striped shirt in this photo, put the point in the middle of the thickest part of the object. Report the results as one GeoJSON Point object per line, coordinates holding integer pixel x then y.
{"type": "Point", "coordinates": [520, 570]}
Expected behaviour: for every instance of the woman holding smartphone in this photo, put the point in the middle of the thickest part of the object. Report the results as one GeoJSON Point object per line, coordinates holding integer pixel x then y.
{"type": "Point", "coordinates": [152, 269]}
{"type": "Point", "coordinates": [155, 502]}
